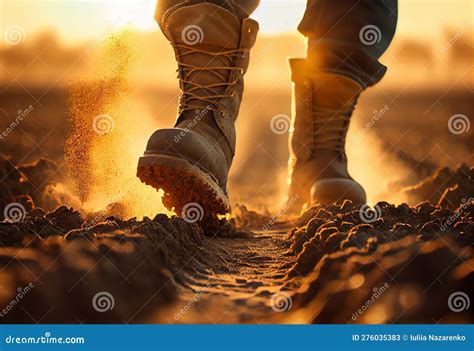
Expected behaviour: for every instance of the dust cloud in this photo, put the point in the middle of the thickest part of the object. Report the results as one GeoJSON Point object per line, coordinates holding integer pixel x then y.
{"type": "Point", "coordinates": [109, 130]}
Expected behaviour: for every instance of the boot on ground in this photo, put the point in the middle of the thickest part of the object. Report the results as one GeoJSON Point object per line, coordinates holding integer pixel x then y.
{"type": "Point", "coordinates": [323, 104]}
{"type": "Point", "coordinates": [191, 161]}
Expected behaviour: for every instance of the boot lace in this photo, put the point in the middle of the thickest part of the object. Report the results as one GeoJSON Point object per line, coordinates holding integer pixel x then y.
{"type": "Point", "coordinates": [210, 94]}
{"type": "Point", "coordinates": [330, 137]}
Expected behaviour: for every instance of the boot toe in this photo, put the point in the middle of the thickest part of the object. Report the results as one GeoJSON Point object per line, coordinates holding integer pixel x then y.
{"type": "Point", "coordinates": [192, 147]}
{"type": "Point", "coordinates": [336, 190]}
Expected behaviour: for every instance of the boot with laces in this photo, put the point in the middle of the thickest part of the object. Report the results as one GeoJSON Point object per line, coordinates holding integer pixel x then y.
{"type": "Point", "coordinates": [323, 104]}
{"type": "Point", "coordinates": [191, 161]}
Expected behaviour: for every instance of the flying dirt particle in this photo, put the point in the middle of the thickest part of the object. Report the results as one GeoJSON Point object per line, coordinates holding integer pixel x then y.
{"type": "Point", "coordinates": [108, 134]}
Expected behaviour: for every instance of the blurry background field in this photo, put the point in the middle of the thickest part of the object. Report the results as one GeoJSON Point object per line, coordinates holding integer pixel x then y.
{"type": "Point", "coordinates": [51, 48]}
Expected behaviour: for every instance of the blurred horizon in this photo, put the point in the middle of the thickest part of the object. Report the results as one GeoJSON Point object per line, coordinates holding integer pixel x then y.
{"type": "Point", "coordinates": [433, 46]}
{"type": "Point", "coordinates": [412, 63]}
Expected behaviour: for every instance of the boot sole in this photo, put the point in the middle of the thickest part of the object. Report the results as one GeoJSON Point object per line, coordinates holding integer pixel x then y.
{"type": "Point", "coordinates": [192, 193]}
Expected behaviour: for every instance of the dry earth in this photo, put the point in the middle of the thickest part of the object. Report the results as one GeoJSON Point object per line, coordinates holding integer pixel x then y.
{"type": "Point", "coordinates": [333, 264]}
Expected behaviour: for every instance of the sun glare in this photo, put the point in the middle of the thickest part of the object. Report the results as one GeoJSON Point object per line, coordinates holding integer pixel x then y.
{"type": "Point", "coordinates": [138, 14]}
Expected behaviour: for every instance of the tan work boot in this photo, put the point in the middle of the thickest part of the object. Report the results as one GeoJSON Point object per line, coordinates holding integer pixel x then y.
{"type": "Point", "coordinates": [322, 106]}
{"type": "Point", "coordinates": [191, 161]}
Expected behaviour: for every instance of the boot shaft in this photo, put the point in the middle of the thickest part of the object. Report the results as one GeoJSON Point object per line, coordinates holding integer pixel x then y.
{"type": "Point", "coordinates": [211, 47]}
{"type": "Point", "coordinates": [322, 106]}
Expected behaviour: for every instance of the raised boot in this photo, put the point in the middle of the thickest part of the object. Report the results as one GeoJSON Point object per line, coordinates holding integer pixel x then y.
{"type": "Point", "coordinates": [191, 161]}
{"type": "Point", "coordinates": [322, 107]}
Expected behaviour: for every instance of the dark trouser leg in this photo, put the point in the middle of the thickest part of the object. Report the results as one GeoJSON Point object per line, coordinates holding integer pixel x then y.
{"type": "Point", "coordinates": [348, 37]}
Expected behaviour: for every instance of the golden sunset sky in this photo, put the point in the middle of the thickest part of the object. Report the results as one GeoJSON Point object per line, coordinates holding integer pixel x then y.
{"type": "Point", "coordinates": [77, 20]}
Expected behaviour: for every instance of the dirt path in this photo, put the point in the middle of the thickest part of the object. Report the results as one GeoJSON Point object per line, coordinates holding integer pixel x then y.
{"type": "Point", "coordinates": [256, 269]}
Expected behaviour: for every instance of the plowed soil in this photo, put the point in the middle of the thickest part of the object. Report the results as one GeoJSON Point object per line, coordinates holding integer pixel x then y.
{"type": "Point", "coordinates": [333, 264]}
